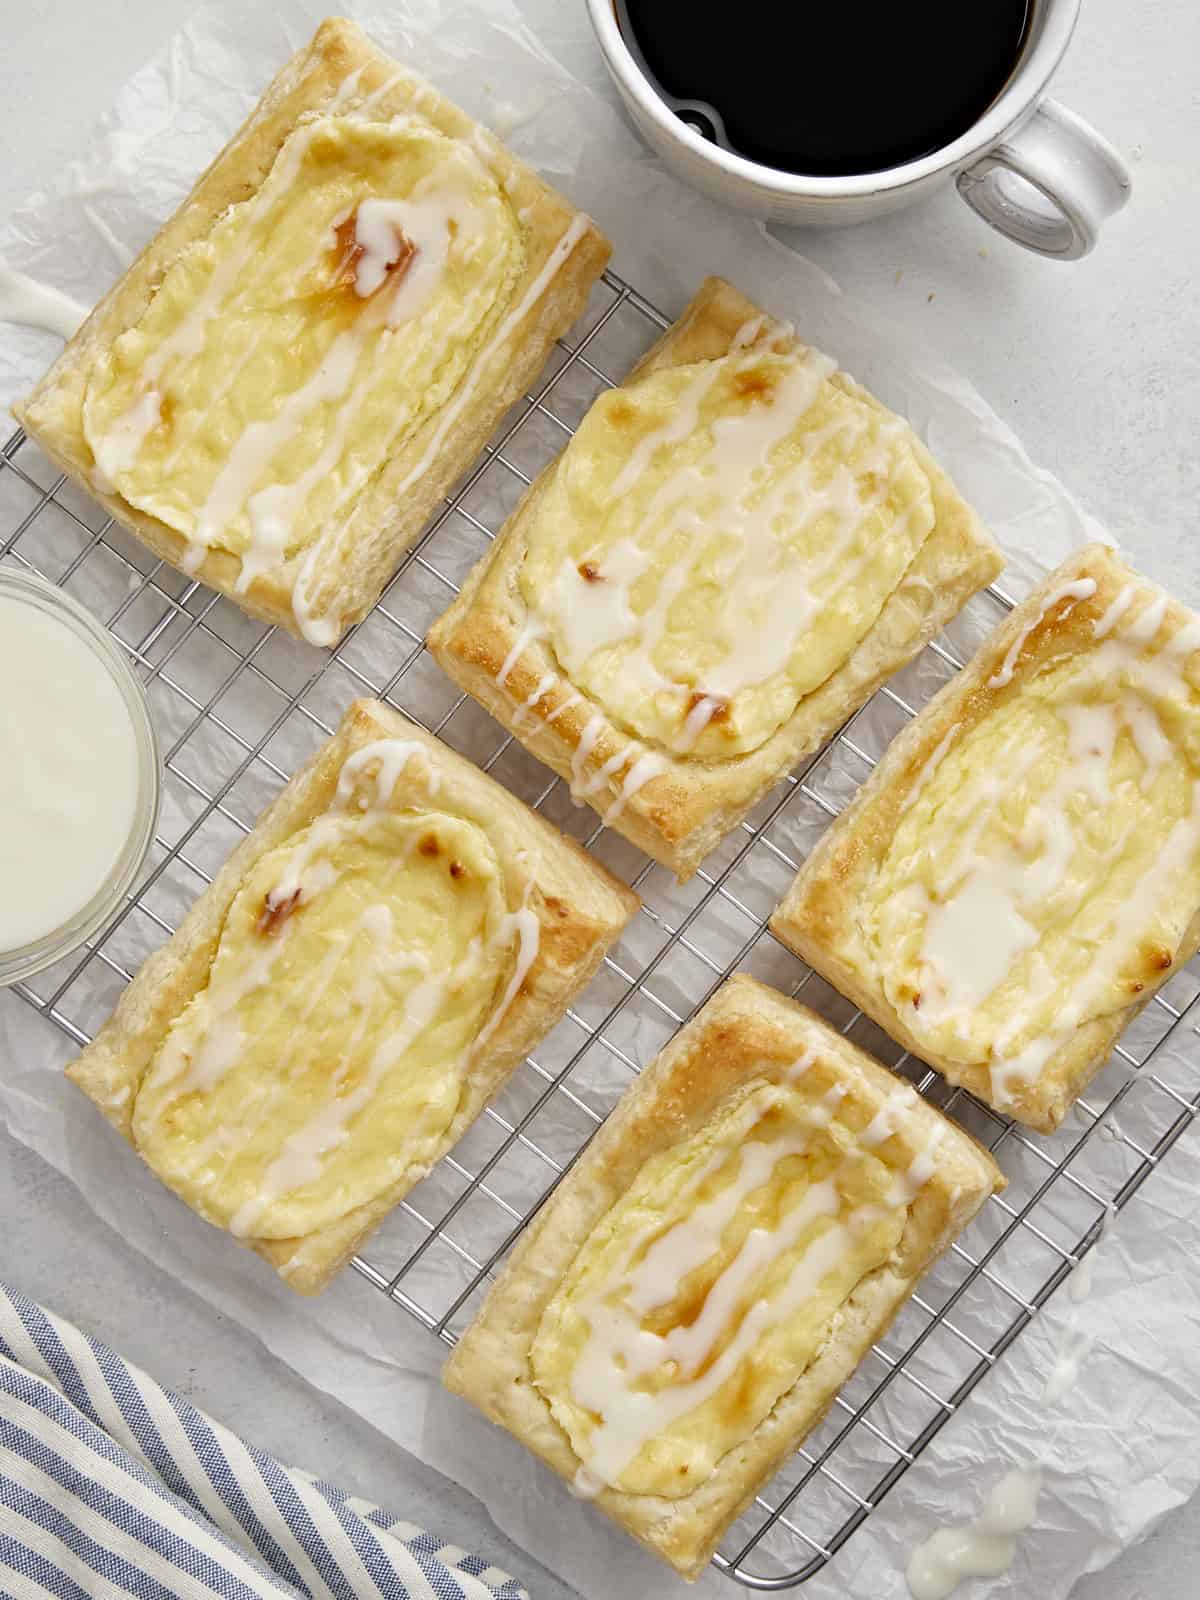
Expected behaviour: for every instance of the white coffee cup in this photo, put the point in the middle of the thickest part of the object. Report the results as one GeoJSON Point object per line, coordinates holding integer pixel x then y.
{"type": "Point", "coordinates": [1037, 172]}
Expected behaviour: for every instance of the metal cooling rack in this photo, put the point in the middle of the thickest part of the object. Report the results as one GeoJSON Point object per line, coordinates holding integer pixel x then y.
{"type": "Point", "coordinates": [237, 705]}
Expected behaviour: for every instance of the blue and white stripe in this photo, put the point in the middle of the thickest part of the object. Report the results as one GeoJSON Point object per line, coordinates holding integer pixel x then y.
{"type": "Point", "coordinates": [112, 1487]}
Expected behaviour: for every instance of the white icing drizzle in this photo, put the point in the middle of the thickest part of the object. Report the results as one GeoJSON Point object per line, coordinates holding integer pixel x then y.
{"type": "Point", "coordinates": [223, 1039]}
{"type": "Point", "coordinates": [907, 1185]}
{"type": "Point", "coordinates": [887, 1119]}
{"type": "Point", "coordinates": [116, 452]}
{"type": "Point", "coordinates": [682, 421]}
{"type": "Point", "coordinates": [595, 613]}
{"type": "Point", "coordinates": [524, 923]}
{"type": "Point", "coordinates": [543, 687]}
{"type": "Point", "coordinates": [125, 438]}
{"type": "Point", "coordinates": [646, 767]}
{"type": "Point", "coordinates": [619, 1350]}
{"type": "Point", "coordinates": [324, 630]}
{"type": "Point", "coordinates": [273, 510]}
{"type": "Point", "coordinates": [1185, 642]}
{"type": "Point", "coordinates": [34, 305]}
{"type": "Point", "coordinates": [1149, 620]}
{"type": "Point", "coordinates": [592, 729]}
{"type": "Point", "coordinates": [421, 224]}
{"type": "Point", "coordinates": [761, 568]}
{"type": "Point", "coordinates": [1105, 625]}
{"type": "Point", "coordinates": [694, 724]}
{"type": "Point", "coordinates": [531, 631]}
{"type": "Point", "coordinates": [425, 223]}
{"type": "Point", "coordinates": [301, 1158]}
{"type": "Point", "coordinates": [795, 1070]}
{"type": "Point", "coordinates": [1077, 589]}
{"type": "Point", "coordinates": [984, 1548]}
{"type": "Point", "coordinates": [976, 927]}
{"type": "Point", "coordinates": [1174, 858]}
{"type": "Point", "coordinates": [347, 90]}
{"type": "Point", "coordinates": [571, 700]}
{"type": "Point", "coordinates": [931, 764]}
{"type": "Point", "coordinates": [1079, 1284]}
{"type": "Point", "coordinates": [392, 756]}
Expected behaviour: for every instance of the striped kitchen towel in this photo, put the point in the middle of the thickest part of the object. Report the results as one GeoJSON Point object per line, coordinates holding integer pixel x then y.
{"type": "Point", "coordinates": [112, 1486]}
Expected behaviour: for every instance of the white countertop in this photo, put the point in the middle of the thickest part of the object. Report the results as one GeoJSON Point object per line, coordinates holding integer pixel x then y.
{"type": "Point", "coordinates": [1095, 364]}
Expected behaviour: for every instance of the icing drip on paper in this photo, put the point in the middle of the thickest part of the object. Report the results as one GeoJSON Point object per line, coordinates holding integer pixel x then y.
{"type": "Point", "coordinates": [984, 1548]}
{"type": "Point", "coordinates": [987, 1546]}
{"type": "Point", "coordinates": [34, 305]}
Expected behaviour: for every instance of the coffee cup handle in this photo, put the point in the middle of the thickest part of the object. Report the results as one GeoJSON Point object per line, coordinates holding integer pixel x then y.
{"type": "Point", "coordinates": [1049, 185]}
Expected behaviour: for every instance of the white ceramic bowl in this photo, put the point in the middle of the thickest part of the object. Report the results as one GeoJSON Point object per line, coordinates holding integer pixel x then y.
{"type": "Point", "coordinates": [1031, 168]}
{"type": "Point", "coordinates": [24, 961]}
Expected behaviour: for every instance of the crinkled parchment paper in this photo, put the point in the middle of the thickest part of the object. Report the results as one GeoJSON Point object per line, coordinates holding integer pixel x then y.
{"type": "Point", "coordinates": [1120, 1447]}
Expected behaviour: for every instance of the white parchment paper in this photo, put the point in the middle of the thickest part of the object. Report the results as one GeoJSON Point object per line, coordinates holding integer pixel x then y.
{"type": "Point", "coordinates": [1119, 1448]}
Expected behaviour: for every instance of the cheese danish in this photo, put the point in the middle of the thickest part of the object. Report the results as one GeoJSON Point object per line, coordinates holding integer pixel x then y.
{"type": "Point", "coordinates": [1022, 871]}
{"type": "Point", "coordinates": [736, 548]}
{"type": "Point", "coordinates": [283, 386]}
{"type": "Point", "coordinates": [740, 1231]}
{"type": "Point", "coordinates": [363, 974]}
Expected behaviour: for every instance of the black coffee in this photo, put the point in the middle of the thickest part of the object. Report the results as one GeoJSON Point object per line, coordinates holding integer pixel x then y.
{"type": "Point", "coordinates": [830, 87]}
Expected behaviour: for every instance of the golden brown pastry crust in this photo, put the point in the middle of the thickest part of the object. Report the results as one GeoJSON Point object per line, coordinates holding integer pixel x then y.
{"type": "Point", "coordinates": [816, 918]}
{"type": "Point", "coordinates": [352, 570]}
{"type": "Point", "coordinates": [684, 812]}
{"type": "Point", "coordinates": [580, 909]}
{"type": "Point", "coordinates": [746, 1031]}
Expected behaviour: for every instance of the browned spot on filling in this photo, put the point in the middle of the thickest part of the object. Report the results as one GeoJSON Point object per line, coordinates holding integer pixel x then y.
{"type": "Point", "coordinates": [754, 384]}
{"type": "Point", "coordinates": [916, 1000]}
{"type": "Point", "coordinates": [718, 705]}
{"type": "Point", "coordinates": [589, 571]}
{"type": "Point", "coordinates": [685, 1311]}
{"type": "Point", "coordinates": [737, 1395]}
{"type": "Point", "coordinates": [429, 846]}
{"type": "Point", "coordinates": [457, 870]}
{"type": "Point", "coordinates": [557, 906]}
{"type": "Point", "coordinates": [275, 913]}
{"type": "Point", "coordinates": [620, 413]}
{"type": "Point", "coordinates": [1162, 959]}
{"type": "Point", "coordinates": [347, 253]}
{"type": "Point", "coordinates": [1136, 988]}
{"type": "Point", "coordinates": [166, 413]}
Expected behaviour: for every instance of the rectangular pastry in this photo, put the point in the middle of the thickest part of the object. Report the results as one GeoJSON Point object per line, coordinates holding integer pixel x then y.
{"type": "Point", "coordinates": [283, 386]}
{"type": "Point", "coordinates": [738, 546]}
{"type": "Point", "coordinates": [740, 1231]}
{"type": "Point", "coordinates": [1022, 871]}
{"type": "Point", "coordinates": [366, 970]}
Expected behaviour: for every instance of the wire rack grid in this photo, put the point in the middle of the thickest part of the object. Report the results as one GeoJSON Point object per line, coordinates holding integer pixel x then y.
{"type": "Point", "coordinates": [238, 705]}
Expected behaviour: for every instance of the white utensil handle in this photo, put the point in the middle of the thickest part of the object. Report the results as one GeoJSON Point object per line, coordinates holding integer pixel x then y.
{"type": "Point", "coordinates": [1049, 185]}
